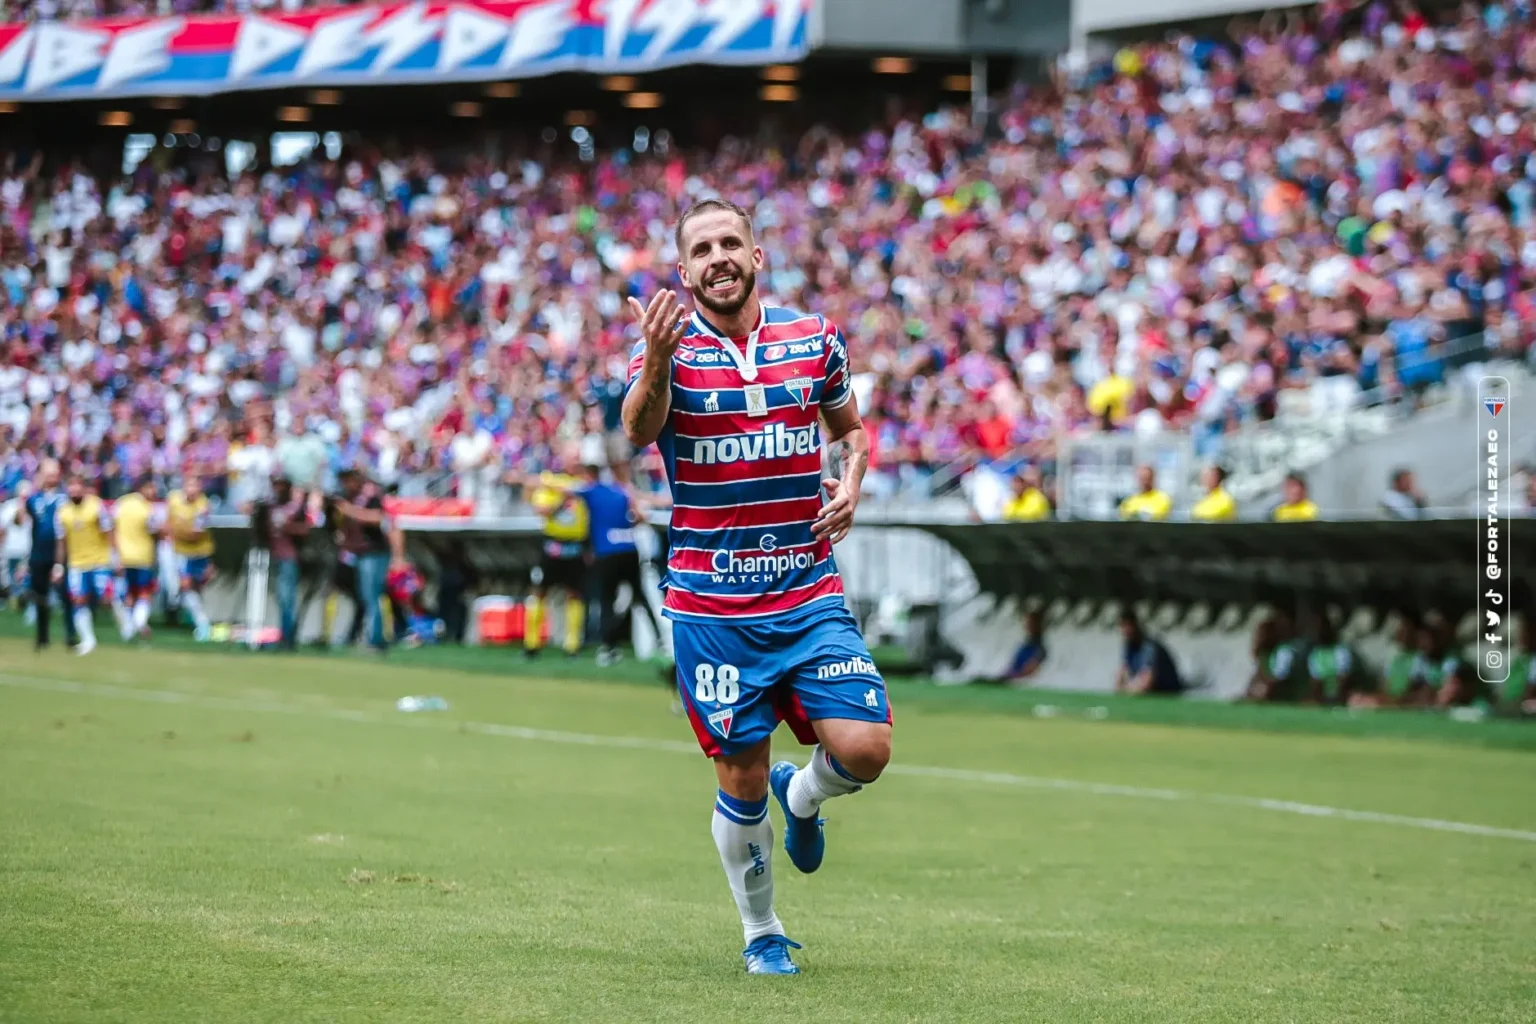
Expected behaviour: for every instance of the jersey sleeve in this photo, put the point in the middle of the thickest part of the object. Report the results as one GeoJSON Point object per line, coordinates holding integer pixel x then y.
{"type": "Point", "coordinates": [836, 389]}
{"type": "Point", "coordinates": [636, 361]}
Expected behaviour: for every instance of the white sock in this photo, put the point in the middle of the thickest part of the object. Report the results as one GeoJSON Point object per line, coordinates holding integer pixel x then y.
{"type": "Point", "coordinates": [820, 780]}
{"type": "Point", "coordinates": [84, 626]}
{"type": "Point", "coordinates": [124, 620]}
{"type": "Point", "coordinates": [744, 837]}
{"type": "Point", "coordinates": [140, 614]}
{"type": "Point", "coordinates": [192, 601]}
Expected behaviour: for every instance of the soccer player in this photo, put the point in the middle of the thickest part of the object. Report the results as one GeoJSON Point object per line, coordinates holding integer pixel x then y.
{"type": "Point", "coordinates": [732, 395]}
{"type": "Point", "coordinates": [140, 519]}
{"type": "Point", "coordinates": [86, 526]}
{"type": "Point", "coordinates": [45, 566]}
{"type": "Point", "coordinates": [567, 527]}
{"type": "Point", "coordinates": [186, 517]}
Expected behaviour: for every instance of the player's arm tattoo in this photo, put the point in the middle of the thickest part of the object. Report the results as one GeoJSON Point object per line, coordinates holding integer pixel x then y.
{"type": "Point", "coordinates": [850, 456]}
{"type": "Point", "coordinates": [647, 404]}
{"type": "Point", "coordinates": [848, 446]}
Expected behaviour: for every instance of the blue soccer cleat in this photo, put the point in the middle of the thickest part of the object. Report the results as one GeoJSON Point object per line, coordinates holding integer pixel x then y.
{"type": "Point", "coordinates": [804, 840]}
{"type": "Point", "coordinates": [770, 955]}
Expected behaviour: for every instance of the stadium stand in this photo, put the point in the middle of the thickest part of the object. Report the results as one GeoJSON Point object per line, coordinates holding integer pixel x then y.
{"type": "Point", "coordinates": [1190, 236]}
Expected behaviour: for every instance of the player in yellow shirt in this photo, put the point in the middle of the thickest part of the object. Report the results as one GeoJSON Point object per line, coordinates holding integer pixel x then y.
{"type": "Point", "coordinates": [1297, 507]}
{"type": "Point", "coordinates": [1027, 503]}
{"type": "Point", "coordinates": [86, 525]}
{"type": "Point", "coordinates": [1148, 502]}
{"type": "Point", "coordinates": [140, 519]}
{"type": "Point", "coordinates": [567, 524]}
{"type": "Point", "coordinates": [1217, 506]}
{"type": "Point", "coordinates": [186, 519]}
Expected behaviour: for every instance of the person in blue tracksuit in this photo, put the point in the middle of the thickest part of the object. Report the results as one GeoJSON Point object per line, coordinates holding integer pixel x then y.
{"type": "Point", "coordinates": [45, 566]}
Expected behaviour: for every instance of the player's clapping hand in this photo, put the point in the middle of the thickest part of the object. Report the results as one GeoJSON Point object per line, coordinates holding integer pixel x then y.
{"type": "Point", "coordinates": [836, 517]}
{"type": "Point", "coordinates": [662, 323]}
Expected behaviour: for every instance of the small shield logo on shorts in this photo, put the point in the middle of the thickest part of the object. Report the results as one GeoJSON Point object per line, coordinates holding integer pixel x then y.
{"type": "Point", "coordinates": [721, 720]}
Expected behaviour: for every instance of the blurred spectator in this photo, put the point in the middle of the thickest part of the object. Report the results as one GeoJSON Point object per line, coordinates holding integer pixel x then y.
{"type": "Point", "coordinates": [284, 517]}
{"type": "Point", "coordinates": [1403, 499]}
{"type": "Point", "coordinates": [456, 579]}
{"type": "Point", "coordinates": [1519, 693]}
{"type": "Point", "coordinates": [365, 536]}
{"type": "Point", "coordinates": [15, 545]}
{"type": "Point", "coordinates": [1397, 677]}
{"type": "Point", "coordinates": [1026, 502]}
{"type": "Point", "coordinates": [1296, 507]}
{"type": "Point", "coordinates": [1331, 665]}
{"type": "Point", "coordinates": [1148, 502]}
{"type": "Point", "coordinates": [1031, 653]}
{"type": "Point", "coordinates": [251, 464]}
{"type": "Point", "coordinates": [1442, 677]}
{"type": "Point", "coordinates": [1217, 504]}
{"type": "Point", "coordinates": [301, 456]}
{"type": "Point", "coordinates": [1146, 667]}
{"type": "Point", "coordinates": [1278, 671]}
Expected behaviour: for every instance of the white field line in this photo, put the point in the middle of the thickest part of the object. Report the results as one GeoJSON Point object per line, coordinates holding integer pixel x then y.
{"type": "Point", "coordinates": [678, 747]}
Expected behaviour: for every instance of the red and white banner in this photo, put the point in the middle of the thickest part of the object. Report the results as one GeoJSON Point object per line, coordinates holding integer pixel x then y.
{"type": "Point", "coordinates": [462, 40]}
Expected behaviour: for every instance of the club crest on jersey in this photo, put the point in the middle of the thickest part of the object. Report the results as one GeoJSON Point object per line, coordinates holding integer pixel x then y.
{"type": "Point", "coordinates": [799, 389]}
{"type": "Point", "coordinates": [721, 720]}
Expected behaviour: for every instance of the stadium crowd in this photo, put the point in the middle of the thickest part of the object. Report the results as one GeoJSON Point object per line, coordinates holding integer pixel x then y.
{"type": "Point", "coordinates": [1162, 239]}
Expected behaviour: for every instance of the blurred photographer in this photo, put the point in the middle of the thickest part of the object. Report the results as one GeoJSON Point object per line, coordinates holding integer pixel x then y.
{"type": "Point", "coordinates": [364, 540]}
{"type": "Point", "coordinates": [281, 522]}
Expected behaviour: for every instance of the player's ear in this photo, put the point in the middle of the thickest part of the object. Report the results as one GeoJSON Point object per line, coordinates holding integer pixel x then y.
{"type": "Point", "coordinates": [682, 273]}
{"type": "Point", "coordinates": [757, 257]}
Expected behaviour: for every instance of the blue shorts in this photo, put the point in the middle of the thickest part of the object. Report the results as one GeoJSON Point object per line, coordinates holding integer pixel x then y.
{"type": "Point", "coordinates": [739, 682]}
{"type": "Point", "coordinates": [193, 570]}
{"type": "Point", "coordinates": [16, 573]}
{"type": "Point", "coordinates": [90, 586]}
{"type": "Point", "coordinates": [140, 582]}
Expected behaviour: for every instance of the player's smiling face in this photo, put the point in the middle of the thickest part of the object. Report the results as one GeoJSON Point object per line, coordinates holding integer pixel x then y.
{"type": "Point", "coordinates": [719, 262]}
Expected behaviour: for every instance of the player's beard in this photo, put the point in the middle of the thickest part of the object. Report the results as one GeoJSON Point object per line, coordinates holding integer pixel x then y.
{"type": "Point", "coordinates": [748, 279]}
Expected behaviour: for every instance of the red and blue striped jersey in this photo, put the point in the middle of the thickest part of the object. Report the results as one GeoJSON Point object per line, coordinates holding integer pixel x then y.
{"type": "Point", "coordinates": [742, 449]}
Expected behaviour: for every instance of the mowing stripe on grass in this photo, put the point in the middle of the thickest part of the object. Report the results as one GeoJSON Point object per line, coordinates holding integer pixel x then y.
{"type": "Point", "coordinates": [678, 747]}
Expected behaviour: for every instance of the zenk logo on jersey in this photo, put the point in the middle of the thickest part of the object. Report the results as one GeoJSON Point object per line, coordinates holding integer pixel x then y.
{"type": "Point", "coordinates": [773, 353]}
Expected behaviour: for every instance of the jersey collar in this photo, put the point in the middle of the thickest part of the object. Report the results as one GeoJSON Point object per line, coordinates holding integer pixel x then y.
{"type": "Point", "coordinates": [746, 362]}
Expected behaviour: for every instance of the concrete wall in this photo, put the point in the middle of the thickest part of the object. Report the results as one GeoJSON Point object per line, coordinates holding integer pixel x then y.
{"type": "Point", "coordinates": [1089, 16]}
{"type": "Point", "coordinates": [954, 27]}
{"type": "Point", "coordinates": [1439, 445]}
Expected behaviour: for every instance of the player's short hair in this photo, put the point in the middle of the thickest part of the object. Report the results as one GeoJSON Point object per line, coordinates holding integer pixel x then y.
{"type": "Point", "coordinates": [705, 206]}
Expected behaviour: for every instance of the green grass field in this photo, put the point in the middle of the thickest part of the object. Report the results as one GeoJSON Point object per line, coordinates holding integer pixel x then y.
{"type": "Point", "coordinates": [202, 836]}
